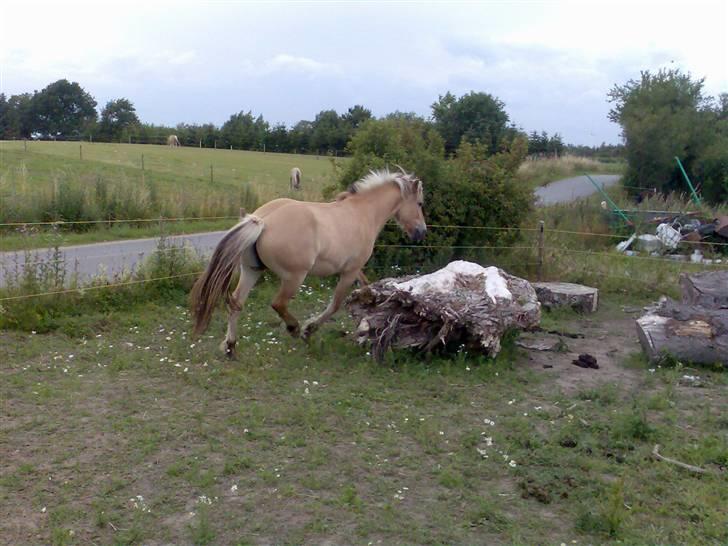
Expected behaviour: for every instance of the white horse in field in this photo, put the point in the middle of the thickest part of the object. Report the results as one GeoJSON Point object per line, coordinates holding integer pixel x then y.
{"type": "Point", "coordinates": [172, 140]}
{"type": "Point", "coordinates": [295, 178]}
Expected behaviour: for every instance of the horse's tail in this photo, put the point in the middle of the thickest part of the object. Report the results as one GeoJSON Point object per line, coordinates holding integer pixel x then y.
{"type": "Point", "coordinates": [215, 281]}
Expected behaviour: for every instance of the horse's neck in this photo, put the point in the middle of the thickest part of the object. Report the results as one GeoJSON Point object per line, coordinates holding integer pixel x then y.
{"type": "Point", "coordinates": [379, 205]}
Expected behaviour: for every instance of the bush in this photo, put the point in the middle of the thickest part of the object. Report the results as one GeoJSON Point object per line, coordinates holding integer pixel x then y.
{"type": "Point", "coordinates": [474, 189]}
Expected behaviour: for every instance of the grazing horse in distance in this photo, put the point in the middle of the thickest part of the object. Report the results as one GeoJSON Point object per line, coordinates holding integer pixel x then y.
{"type": "Point", "coordinates": [295, 178]}
{"type": "Point", "coordinates": [172, 140]}
{"type": "Point", "coordinates": [296, 238]}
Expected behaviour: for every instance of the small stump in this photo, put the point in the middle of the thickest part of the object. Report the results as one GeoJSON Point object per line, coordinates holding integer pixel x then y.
{"type": "Point", "coordinates": [463, 304]}
{"type": "Point", "coordinates": [581, 298]}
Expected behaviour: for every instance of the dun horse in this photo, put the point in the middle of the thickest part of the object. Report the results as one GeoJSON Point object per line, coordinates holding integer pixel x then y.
{"type": "Point", "coordinates": [295, 178]}
{"type": "Point", "coordinates": [172, 140]}
{"type": "Point", "coordinates": [296, 238]}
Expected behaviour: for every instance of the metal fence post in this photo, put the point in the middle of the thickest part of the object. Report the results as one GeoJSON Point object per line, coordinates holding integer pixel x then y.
{"type": "Point", "coordinates": [540, 249]}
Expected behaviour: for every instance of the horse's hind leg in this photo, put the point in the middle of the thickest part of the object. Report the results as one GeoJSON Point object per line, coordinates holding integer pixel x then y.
{"type": "Point", "coordinates": [342, 288]}
{"type": "Point", "coordinates": [248, 278]}
{"type": "Point", "coordinates": [288, 289]}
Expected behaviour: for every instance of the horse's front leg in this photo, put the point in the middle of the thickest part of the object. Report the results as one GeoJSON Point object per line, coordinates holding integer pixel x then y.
{"type": "Point", "coordinates": [342, 288]}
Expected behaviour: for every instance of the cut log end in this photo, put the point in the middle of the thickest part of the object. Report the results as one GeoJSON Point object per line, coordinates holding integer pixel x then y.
{"type": "Point", "coordinates": [553, 295]}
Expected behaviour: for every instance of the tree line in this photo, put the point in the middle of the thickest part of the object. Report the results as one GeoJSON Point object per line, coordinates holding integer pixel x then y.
{"type": "Point", "coordinates": [64, 110]}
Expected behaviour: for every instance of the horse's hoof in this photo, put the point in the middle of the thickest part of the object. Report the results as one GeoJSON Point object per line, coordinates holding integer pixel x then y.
{"type": "Point", "coordinates": [295, 331]}
{"type": "Point", "coordinates": [228, 347]}
{"type": "Point", "coordinates": [308, 330]}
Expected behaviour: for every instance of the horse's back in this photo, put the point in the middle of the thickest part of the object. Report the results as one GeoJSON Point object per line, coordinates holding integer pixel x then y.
{"type": "Point", "coordinates": [305, 236]}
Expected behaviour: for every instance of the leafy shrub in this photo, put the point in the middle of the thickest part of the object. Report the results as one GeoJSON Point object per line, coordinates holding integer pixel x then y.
{"type": "Point", "coordinates": [473, 189]}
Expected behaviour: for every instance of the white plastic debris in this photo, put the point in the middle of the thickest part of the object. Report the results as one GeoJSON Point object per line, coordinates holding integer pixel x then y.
{"type": "Point", "coordinates": [669, 236]}
{"type": "Point", "coordinates": [624, 245]}
{"type": "Point", "coordinates": [648, 243]}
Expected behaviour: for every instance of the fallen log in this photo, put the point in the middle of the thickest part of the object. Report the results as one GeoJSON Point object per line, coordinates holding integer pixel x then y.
{"type": "Point", "coordinates": [686, 332]}
{"type": "Point", "coordinates": [565, 294]}
{"type": "Point", "coordinates": [708, 289]}
{"type": "Point", "coordinates": [462, 305]}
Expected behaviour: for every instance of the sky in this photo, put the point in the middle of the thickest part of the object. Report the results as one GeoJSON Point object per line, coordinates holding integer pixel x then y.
{"type": "Point", "coordinates": [551, 62]}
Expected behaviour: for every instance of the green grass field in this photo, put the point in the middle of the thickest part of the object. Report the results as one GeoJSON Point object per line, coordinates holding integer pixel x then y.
{"type": "Point", "coordinates": [50, 181]}
{"type": "Point", "coordinates": [118, 428]}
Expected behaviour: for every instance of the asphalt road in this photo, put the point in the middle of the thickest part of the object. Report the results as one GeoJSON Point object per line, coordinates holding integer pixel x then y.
{"type": "Point", "coordinates": [113, 258]}
{"type": "Point", "coordinates": [109, 259]}
{"type": "Point", "coordinates": [571, 189]}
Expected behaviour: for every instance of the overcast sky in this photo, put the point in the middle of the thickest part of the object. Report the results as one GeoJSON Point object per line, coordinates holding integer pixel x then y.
{"type": "Point", "coordinates": [552, 63]}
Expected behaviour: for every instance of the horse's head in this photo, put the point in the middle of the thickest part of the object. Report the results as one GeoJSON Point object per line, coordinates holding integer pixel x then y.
{"type": "Point", "coordinates": [410, 215]}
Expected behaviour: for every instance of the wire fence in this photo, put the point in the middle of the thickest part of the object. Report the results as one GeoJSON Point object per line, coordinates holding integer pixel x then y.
{"type": "Point", "coordinates": [545, 256]}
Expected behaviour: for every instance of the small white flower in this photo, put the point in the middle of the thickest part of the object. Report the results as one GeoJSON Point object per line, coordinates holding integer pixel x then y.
{"type": "Point", "coordinates": [512, 464]}
{"type": "Point", "coordinates": [234, 488]}
{"type": "Point", "coordinates": [44, 508]}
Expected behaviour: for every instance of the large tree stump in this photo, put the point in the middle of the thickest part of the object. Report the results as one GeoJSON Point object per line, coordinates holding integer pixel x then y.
{"type": "Point", "coordinates": [686, 332]}
{"type": "Point", "coordinates": [565, 294]}
{"type": "Point", "coordinates": [708, 289]}
{"type": "Point", "coordinates": [461, 305]}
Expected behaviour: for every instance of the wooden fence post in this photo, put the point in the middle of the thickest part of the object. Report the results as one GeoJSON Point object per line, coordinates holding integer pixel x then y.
{"type": "Point", "coordinates": [540, 250]}
{"type": "Point", "coordinates": [212, 177]}
{"type": "Point", "coordinates": [80, 152]}
{"type": "Point", "coordinates": [142, 162]}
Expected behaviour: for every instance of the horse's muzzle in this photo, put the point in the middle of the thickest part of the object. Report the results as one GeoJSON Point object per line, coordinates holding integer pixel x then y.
{"type": "Point", "coordinates": [419, 233]}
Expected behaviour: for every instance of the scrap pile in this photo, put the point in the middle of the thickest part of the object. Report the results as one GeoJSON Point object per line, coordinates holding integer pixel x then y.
{"type": "Point", "coordinates": [682, 237]}
{"type": "Point", "coordinates": [461, 305]}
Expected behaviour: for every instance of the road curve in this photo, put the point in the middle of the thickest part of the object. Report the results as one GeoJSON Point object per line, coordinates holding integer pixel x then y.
{"type": "Point", "coordinates": [114, 258]}
{"type": "Point", "coordinates": [571, 189]}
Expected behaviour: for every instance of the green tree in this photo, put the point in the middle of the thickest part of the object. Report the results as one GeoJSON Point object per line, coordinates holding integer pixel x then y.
{"type": "Point", "coordinates": [300, 136]}
{"type": "Point", "coordinates": [4, 117]}
{"type": "Point", "coordinates": [62, 109]}
{"type": "Point", "coordinates": [245, 132]}
{"type": "Point", "coordinates": [329, 132]}
{"type": "Point", "coordinates": [665, 115]}
{"type": "Point", "coordinates": [117, 118]}
{"type": "Point", "coordinates": [278, 139]}
{"type": "Point", "coordinates": [475, 117]}
{"type": "Point", "coordinates": [356, 116]}
{"type": "Point", "coordinates": [19, 122]}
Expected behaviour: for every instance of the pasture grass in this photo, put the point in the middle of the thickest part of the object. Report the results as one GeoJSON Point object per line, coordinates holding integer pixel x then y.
{"type": "Point", "coordinates": [540, 171]}
{"type": "Point", "coordinates": [50, 183]}
{"type": "Point", "coordinates": [266, 173]}
{"type": "Point", "coordinates": [119, 428]}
